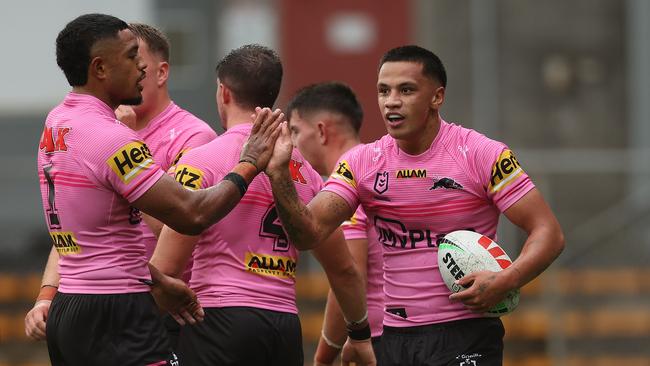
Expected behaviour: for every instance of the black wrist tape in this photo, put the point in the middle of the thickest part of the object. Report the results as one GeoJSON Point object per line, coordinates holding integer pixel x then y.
{"type": "Point", "coordinates": [359, 334]}
{"type": "Point", "coordinates": [237, 180]}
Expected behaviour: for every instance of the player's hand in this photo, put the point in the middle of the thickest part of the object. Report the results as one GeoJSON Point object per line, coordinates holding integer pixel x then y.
{"type": "Point", "coordinates": [126, 115]}
{"type": "Point", "coordinates": [172, 295]}
{"type": "Point", "coordinates": [359, 352]}
{"type": "Point", "coordinates": [281, 152]}
{"type": "Point", "coordinates": [260, 143]}
{"type": "Point", "coordinates": [35, 320]}
{"type": "Point", "coordinates": [325, 354]}
{"type": "Point", "coordinates": [484, 289]}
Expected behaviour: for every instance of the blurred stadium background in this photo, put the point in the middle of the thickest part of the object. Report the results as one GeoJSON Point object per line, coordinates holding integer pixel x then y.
{"type": "Point", "coordinates": [566, 83]}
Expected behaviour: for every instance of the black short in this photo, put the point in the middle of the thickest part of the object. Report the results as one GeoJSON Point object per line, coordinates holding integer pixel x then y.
{"type": "Point", "coordinates": [242, 336]}
{"type": "Point", "coordinates": [376, 346]}
{"type": "Point", "coordinates": [475, 342]}
{"type": "Point", "coordinates": [113, 329]}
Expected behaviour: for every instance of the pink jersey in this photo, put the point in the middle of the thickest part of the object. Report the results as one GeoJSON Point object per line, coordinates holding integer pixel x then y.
{"type": "Point", "coordinates": [245, 259]}
{"type": "Point", "coordinates": [359, 228]}
{"type": "Point", "coordinates": [169, 135]}
{"type": "Point", "coordinates": [463, 181]}
{"type": "Point", "coordinates": [91, 167]}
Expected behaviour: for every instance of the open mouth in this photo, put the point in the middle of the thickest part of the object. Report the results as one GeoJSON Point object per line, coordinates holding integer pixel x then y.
{"type": "Point", "coordinates": [394, 118]}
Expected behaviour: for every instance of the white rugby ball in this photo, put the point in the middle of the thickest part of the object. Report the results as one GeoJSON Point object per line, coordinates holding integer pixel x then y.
{"type": "Point", "coordinates": [463, 252]}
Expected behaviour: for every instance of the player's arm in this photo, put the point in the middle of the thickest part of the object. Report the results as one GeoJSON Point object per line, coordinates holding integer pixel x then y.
{"type": "Point", "coordinates": [545, 242]}
{"type": "Point", "coordinates": [306, 225]}
{"type": "Point", "coordinates": [191, 212]}
{"type": "Point", "coordinates": [37, 316]}
{"type": "Point", "coordinates": [334, 331]}
{"type": "Point", "coordinates": [173, 251]}
{"type": "Point", "coordinates": [154, 225]}
{"type": "Point", "coordinates": [349, 286]}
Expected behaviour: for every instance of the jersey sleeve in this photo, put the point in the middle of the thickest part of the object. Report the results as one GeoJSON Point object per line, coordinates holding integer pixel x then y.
{"type": "Point", "coordinates": [356, 226]}
{"type": "Point", "coordinates": [343, 180]}
{"type": "Point", "coordinates": [123, 162]}
{"type": "Point", "coordinates": [191, 172]}
{"type": "Point", "coordinates": [500, 173]}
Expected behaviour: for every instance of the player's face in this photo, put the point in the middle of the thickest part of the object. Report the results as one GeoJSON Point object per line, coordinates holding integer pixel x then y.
{"type": "Point", "coordinates": [126, 69]}
{"type": "Point", "coordinates": [305, 137]}
{"type": "Point", "coordinates": [407, 99]}
{"type": "Point", "coordinates": [151, 83]}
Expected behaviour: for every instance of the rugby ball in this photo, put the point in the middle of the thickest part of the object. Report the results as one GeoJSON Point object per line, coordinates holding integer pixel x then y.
{"type": "Point", "coordinates": [463, 252]}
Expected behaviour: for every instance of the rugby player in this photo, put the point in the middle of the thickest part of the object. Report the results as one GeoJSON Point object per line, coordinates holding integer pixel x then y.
{"type": "Point", "coordinates": [425, 178]}
{"type": "Point", "coordinates": [93, 170]}
{"type": "Point", "coordinates": [244, 266]}
{"type": "Point", "coordinates": [324, 120]}
{"type": "Point", "coordinates": [168, 131]}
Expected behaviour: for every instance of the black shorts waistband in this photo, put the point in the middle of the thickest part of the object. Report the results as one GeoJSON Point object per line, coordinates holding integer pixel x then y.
{"type": "Point", "coordinates": [437, 327]}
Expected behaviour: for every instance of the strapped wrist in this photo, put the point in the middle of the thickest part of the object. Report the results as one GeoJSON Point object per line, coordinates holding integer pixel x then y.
{"type": "Point", "coordinates": [330, 342]}
{"type": "Point", "coordinates": [238, 181]}
{"type": "Point", "coordinates": [47, 292]}
{"type": "Point", "coordinates": [360, 334]}
{"type": "Point", "coordinates": [249, 161]}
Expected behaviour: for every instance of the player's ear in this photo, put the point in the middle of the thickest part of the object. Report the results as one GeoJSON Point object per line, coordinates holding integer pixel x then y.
{"type": "Point", "coordinates": [97, 68]}
{"type": "Point", "coordinates": [226, 94]}
{"type": "Point", "coordinates": [322, 132]}
{"type": "Point", "coordinates": [163, 73]}
{"type": "Point", "coordinates": [438, 98]}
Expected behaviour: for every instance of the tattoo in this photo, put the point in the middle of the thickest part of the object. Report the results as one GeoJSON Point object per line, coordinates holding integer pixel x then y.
{"type": "Point", "coordinates": [483, 286]}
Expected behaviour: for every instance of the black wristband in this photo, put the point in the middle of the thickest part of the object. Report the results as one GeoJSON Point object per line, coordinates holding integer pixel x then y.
{"type": "Point", "coordinates": [359, 334]}
{"type": "Point", "coordinates": [237, 180]}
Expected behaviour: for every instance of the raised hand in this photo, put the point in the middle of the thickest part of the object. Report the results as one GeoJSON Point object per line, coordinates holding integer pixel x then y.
{"type": "Point", "coordinates": [260, 143]}
{"type": "Point", "coordinates": [281, 151]}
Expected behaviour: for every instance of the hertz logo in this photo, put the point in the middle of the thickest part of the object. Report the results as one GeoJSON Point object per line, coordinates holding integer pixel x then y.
{"type": "Point", "coordinates": [189, 176]}
{"type": "Point", "coordinates": [505, 170]}
{"type": "Point", "coordinates": [411, 173]}
{"type": "Point", "coordinates": [269, 265]}
{"type": "Point", "coordinates": [130, 160]}
{"type": "Point", "coordinates": [343, 172]}
{"type": "Point", "coordinates": [65, 242]}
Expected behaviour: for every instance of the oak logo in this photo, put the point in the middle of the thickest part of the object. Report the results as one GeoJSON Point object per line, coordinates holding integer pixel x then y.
{"type": "Point", "coordinates": [505, 170]}
{"type": "Point", "coordinates": [189, 176]}
{"type": "Point", "coordinates": [411, 173]}
{"type": "Point", "coordinates": [53, 140]}
{"type": "Point", "coordinates": [294, 169]}
{"type": "Point", "coordinates": [270, 265]}
{"type": "Point", "coordinates": [65, 242]}
{"type": "Point", "coordinates": [344, 173]}
{"type": "Point", "coordinates": [130, 160]}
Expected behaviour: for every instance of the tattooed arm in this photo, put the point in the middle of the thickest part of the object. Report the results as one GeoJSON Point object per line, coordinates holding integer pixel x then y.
{"type": "Point", "coordinates": [306, 225]}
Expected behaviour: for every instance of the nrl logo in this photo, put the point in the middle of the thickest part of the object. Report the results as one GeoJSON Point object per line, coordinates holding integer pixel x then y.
{"type": "Point", "coordinates": [381, 182]}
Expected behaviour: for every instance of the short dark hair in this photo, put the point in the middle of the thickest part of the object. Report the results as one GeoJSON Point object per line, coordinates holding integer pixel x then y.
{"type": "Point", "coordinates": [431, 64]}
{"type": "Point", "coordinates": [156, 40]}
{"type": "Point", "coordinates": [74, 42]}
{"type": "Point", "coordinates": [253, 73]}
{"type": "Point", "coordinates": [334, 97]}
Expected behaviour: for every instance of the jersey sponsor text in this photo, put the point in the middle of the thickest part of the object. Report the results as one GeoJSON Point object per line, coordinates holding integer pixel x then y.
{"type": "Point", "coordinates": [130, 160]}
